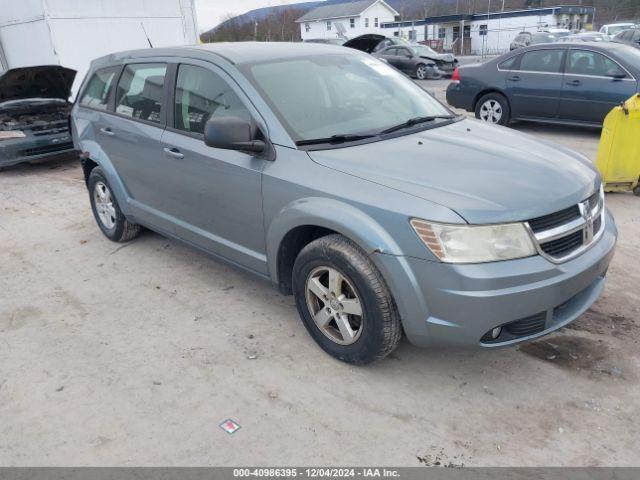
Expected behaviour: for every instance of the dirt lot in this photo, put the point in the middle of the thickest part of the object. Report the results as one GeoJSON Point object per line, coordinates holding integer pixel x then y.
{"type": "Point", "coordinates": [133, 354]}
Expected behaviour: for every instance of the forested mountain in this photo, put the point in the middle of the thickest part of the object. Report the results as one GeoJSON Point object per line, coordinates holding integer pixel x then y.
{"type": "Point", "coordinates": [278, 23]}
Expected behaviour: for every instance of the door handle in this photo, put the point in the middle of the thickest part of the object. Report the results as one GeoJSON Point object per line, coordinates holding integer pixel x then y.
{"type": "Point", "coordinates": [173, 152]}
{"type": "Point", "coordinates": [107, 131]}
{"type": "Point", "coordinates": [514, 78]}
{"type": "Point", "coordinates": [574, 83]}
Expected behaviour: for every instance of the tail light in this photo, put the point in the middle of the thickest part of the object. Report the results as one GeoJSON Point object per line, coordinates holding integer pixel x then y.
{"type": "Point", "coordinates": [455, 78]}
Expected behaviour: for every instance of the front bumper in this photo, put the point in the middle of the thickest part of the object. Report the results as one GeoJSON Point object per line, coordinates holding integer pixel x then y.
{"type": "Point", "coordinates": [445, 304]}
{"type": "Point", "coordinates": [447, 68]}
{"type": "Point", "coordinates": [18, 150]}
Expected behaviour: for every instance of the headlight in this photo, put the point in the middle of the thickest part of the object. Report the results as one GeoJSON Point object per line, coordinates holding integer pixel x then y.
{"type": "Point", "coordinates": [475, 244]}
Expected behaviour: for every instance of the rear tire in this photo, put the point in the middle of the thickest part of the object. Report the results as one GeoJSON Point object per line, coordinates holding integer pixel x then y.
{"type": "Point", "coordinates": [493, 108]}
{"type": "Point", "coordinates": [636, 191]}
{"type": "Point", "coordinates": [344, 302]}
{"type": "Point", "coordinates": [106, 210]}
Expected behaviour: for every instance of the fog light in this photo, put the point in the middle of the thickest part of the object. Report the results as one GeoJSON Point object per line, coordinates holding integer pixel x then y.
{"type": "Point", "coordinates": [495, 333]}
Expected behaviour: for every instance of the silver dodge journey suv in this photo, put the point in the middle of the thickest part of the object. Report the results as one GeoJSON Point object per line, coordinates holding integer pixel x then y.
{"type": "Point", "coordinates": [346, 184]}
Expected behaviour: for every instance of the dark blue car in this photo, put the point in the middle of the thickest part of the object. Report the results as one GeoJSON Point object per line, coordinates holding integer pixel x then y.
{"type": "Point", "coordinates": [569, 83]}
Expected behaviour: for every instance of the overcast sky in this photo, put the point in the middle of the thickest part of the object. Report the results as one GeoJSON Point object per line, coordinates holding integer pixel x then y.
{"type": "Point", "coordinates": [211, 11]}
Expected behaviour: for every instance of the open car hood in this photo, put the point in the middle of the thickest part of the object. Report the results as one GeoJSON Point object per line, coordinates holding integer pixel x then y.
{"type": "Point", "coordinates": [45, 81]}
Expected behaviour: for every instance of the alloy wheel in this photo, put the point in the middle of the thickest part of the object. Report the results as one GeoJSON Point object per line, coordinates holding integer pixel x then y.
{"type": "Point", "coordinates": [334, 305]}
{"type": "Point", "coordinates": [491, 111]}
{"type": "Point", "coordinates": [421, 72]}
{"type": "Point", "coordinates": [104, 205]}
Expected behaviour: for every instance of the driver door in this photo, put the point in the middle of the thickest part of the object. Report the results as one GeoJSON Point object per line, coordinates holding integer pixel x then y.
{"type": "Point", "coordinates": [405, 60]}
{"type": "Point", "coordinates": [213, 197]}
{"type": "Point", "coordinates": [391, 56]}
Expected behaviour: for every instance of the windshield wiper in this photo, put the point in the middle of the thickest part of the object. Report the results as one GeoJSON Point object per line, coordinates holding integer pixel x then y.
{"type": "Point", "coordinates": [415, 121]}
{"type": "Point", "coordinates": [341, 138]}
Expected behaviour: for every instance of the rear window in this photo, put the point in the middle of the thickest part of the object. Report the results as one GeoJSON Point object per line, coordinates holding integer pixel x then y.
{"type": "Point", "coordinates": [140, 91]}
{"type": "Point", "coordinates": [548, 61]}
{"type": "Point", "coordinates": [96, 95]}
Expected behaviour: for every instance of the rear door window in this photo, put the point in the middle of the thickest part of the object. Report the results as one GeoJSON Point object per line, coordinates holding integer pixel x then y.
{"type": "Point", "coordinates": [96, 94]}
{"type": "Point", "coordinates": [200, 95]}
{"type": "Point", "coordinates": [544, 61]}
{"type": "Point", "coordinates": [140, 91]}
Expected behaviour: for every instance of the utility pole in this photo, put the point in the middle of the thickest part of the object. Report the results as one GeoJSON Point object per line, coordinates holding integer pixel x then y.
{"type": "Point", "coordinates": [255, 31]}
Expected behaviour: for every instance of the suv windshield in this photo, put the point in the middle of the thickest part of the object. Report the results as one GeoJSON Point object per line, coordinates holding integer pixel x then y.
{"type": "Point", "coordinates": [340, 95]}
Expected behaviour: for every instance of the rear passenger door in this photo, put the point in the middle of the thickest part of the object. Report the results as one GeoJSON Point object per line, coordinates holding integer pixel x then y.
{"type": "Point", "coordinates": [590, 89]}
{"type": "Point", "coordinates": [131, 135]}
{"type": "Point", "coordinates": [535, 84]}
{"type": "Point", "coordinates": [212, 196]}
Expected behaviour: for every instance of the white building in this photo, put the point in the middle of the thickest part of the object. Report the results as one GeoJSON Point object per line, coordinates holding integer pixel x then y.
{"type": "Point", "coordinates": [488, 33]}
{"type": "Point", "coordinates": [71, 33]}
{"type": "Point", "coordinates": [346, 20]}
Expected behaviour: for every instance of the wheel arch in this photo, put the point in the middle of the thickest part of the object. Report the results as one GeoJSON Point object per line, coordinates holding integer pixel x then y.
{"type": "Point", "coordinates": [305, 220]}
{"type": "Point", "coordinates": [94, 156]}
{"type": "Point", "coordinates": [487, 91]}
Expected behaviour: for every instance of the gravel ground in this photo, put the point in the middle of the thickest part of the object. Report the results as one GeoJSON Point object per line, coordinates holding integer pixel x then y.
{"type": "Point", "coordinates": [133, 354]}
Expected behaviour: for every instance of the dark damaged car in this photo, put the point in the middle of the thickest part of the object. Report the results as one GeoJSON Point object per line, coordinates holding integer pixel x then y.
{"type": "Point", "coordinates": [379, 45]}
{"type": "Point", "coordinates": [34, 113]}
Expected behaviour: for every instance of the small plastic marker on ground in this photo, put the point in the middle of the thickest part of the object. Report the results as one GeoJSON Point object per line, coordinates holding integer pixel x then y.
{"type": "Point", "coordinates": [229, 426]}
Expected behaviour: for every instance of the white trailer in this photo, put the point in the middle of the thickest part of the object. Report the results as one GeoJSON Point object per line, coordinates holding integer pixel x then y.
{"type": "Point", "coordinates": [71, 33]}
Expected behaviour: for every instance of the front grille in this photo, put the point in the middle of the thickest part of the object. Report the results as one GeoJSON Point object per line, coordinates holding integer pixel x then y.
{"type": "Point", "coordinates": [563, 246]}
{"type": "Point", "coordinates": [53, 148]}
{"type": "Point", "coordinates": [50, 131]}
{"type": "Point", "coordinates": [563, 235]}
{"type": "Point", "coordinates": [555, 219]}
{"type": "Point", "coordinates": [597, 223]}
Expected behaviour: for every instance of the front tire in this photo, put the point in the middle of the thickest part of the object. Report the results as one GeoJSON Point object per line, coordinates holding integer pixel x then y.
{"type": "Point", "coordinates": [344, 302]}
{"type": "Point", "coordinates": [421, 72]}
{"type": "Point", "coordinates": [106, 210]}
{"type": "Point", "coordinates": [493, 108]}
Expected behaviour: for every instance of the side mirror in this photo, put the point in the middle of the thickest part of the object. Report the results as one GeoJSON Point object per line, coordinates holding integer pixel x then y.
{"type": "Point", "coordinates": [616, 74]}
{"type": "Point", "coordinates": [409, 55]}
{"type": "Point", "coordinates": [232, 133]}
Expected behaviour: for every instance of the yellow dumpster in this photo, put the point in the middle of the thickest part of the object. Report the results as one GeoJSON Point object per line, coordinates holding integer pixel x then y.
{"type": "Point", "coordinates": [619, 152]}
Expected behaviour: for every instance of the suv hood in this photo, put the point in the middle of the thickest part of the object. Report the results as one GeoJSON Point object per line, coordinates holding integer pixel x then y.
{"type": "Point", "coordinates": [46, 81]}
{"type": "Point", "coordinates": [486, 174]}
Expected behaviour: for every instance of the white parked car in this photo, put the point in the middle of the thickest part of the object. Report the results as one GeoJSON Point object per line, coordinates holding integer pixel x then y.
{"type": "Point", "coordinates": [615, 28]}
